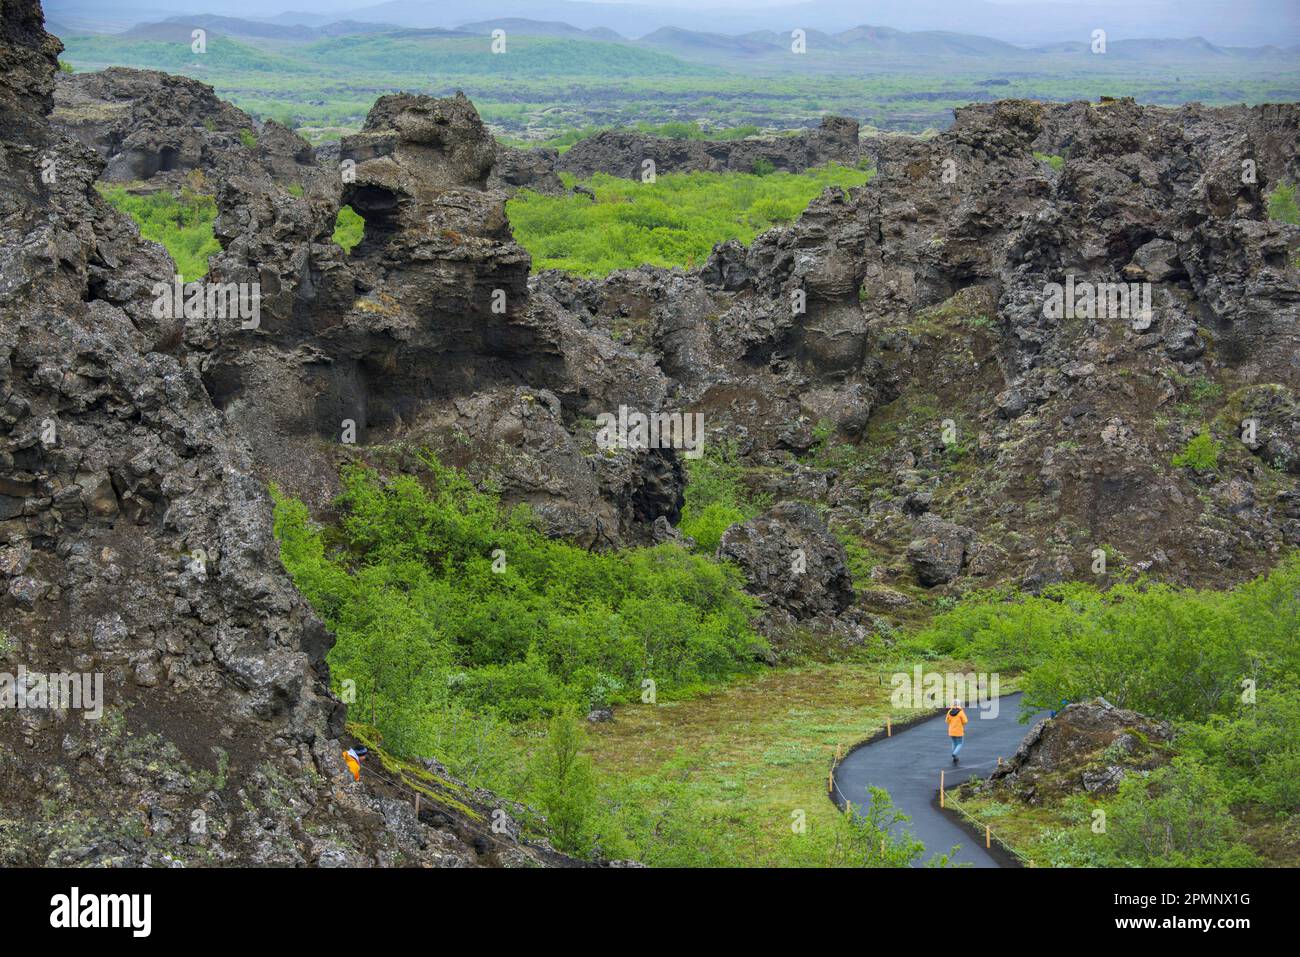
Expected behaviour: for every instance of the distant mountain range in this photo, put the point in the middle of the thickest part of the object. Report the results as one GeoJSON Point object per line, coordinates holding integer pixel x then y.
{"type": "Point", "coordinates": [175, 28]}
{"type": "Point", "coordinates": [1250, 23]}
{"type": "Point", "coordinates": [541, 28]}
{"type": "Point", "coordinates": [857, 40]}
{"type": "Point", "coordinates": [855, 48]}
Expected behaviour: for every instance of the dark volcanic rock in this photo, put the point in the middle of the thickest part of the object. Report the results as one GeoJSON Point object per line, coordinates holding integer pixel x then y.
{"type": "Point", "coordinates": [939, 550]}
{"type": "Point", "coordinates": [143, 122]}
{"type": "Point", "coordinates": [1089, 746]}
{"type": "Point", "coordinates": [432, 307]}
{"type": "Point", "coordinates": [525, 169]}
{"type": "Point", "coordinates": [791, 561]}
{"type": "Point", "coordinates": [924, 290]}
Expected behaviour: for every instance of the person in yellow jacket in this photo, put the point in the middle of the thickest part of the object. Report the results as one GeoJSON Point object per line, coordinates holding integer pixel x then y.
{"type": "Point", "coordinates": [956, 719]}
{"type": "Point", "coordinates": [353, 757]}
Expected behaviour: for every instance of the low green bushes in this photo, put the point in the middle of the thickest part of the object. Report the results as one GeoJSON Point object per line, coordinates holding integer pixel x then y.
{"type": "Point", "coordinates": [716, 497]}
{"type": "Point", "coordinates": [1221, 665]}
{"type": "Point", "coordinates": [674, 221]}
{"type": "Point", "coordinates": [349, 227]}
{"type": "Point", "coordinates": [444, 603]}
{"type": "Point", "coordinates": [183, 224]}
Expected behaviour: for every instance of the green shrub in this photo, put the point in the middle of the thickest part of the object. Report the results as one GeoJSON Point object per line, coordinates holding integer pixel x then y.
{"type": "Point", "coordinates": [564, 785]}
{"type": "Point", "coordinates": [859, 838]}
{"type": "Point", "coordinates": [676, 130]}
{"type": "Point", "coordinates": [1056, 162]}
{"type": "Point", "coordinates": [1201, 453]}
{"type": "Point", "coordinates": [182, 224]}
{"type": "Point", "coordinates": [1176, 817]}
{"type": "Point", "coordinates": [716, 497]}
{"type": "Point", "coordinates": [1176, 653]}
{"type": "Point", "coordinates": [707, 524]}
{"type": "Point", "coordinates": [424, 624]}
{"type": "Point", "coordinates": [248, 138]}
{"type": "Point", "coordinates": [349, 228]}
{"type": "Point", "coordinates": [1282, 204]}
{"type": "Point", "coordinates": [675, 221]}
{"type": "Point", "coordinates": [1254, 749]}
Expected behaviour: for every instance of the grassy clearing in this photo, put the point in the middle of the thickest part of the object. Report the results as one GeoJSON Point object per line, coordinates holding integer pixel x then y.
{"type": "Point", "coordinates": [756, 751]}
{"type": "Point", "coordinates": [674, 221]}
{"type": "Point", "coordinates": [182, 224]}
{"type": "Point", "coordinates": [1019, 827]}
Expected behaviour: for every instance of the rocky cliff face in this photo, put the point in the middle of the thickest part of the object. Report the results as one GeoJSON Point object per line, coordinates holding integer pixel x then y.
{"type": "Point", "coordinates": [135, 540]}
{"type": "Point", "coordinates": [427, 332]}
{"type": "Point", "coordinates": [890, 356]}
{"type": "Point", "coordinates": [1005, 441]}
{"type": "Point", "coordinates": [144, 123]}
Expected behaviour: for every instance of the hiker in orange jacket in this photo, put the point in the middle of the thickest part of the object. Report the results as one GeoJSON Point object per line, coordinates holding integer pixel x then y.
{"type": "Point", "coordinates": [956, 719]}
{"type": "Point", "coordinates": [353, 757]}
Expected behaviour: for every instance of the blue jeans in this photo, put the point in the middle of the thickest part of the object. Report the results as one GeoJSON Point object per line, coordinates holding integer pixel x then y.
{"type": "Point", "coordinates": [956, 745]}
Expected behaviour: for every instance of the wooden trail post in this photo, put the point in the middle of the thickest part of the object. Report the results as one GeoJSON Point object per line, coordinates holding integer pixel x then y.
{"type": "Point", "coordinates": [889, 726]}
{"type": "Point", "coordinates": [417, 806]}
{"type": "Point", "coordinates": [940, 789]}
{"type": "Point", "coordinates": [988, 837]}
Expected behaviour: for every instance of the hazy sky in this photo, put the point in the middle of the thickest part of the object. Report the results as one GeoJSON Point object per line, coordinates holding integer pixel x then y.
{"type": "Point", "coordinates": [866, 4]}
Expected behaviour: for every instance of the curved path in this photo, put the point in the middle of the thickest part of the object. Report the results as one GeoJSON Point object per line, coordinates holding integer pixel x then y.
{"type": "Point", "coordinates": [907, 765]}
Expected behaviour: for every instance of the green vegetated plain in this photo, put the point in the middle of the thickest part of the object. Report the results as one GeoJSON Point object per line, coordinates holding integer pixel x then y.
{"type": "Point", "coordinates": [544, 87]}
{"type": "Point", "coordinates": [674, 221]}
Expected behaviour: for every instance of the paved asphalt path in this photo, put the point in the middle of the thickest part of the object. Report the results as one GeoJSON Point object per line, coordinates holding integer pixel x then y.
{"type": "Point", "coordinates": [908, 765]}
